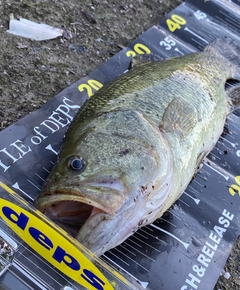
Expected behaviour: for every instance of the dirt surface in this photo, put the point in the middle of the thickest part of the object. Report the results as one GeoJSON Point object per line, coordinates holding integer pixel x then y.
{"type": "Point", "coordinates": [32, 72]}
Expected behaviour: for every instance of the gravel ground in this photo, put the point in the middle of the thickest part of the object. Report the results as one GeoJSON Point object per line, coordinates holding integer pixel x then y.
{"type": "Point", "coordinates": [32, 72]}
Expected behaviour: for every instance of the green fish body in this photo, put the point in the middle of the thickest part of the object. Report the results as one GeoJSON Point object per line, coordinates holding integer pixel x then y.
{"type": "Point", "coordinates": [133, 147]}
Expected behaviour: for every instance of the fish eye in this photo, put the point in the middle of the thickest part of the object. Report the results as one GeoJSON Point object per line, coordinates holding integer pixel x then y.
{"type": "Point", "coordinates": [76, 163]}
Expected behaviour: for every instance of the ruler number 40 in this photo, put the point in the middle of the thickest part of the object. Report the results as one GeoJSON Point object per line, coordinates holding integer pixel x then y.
{"type": "Point", "coordinates": [175, 22]}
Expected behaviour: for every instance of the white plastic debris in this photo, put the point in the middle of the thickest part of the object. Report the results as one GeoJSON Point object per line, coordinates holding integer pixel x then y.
{"type": "Point", "coordinates": [227, 275]}
{"type": "Point", "coordinates": [29, 29]}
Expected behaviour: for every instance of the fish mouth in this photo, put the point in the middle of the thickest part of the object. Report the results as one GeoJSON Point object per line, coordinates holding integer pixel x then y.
{"type": "Point", "coordinates": [68, 211]}
{"type": "Point", "coordinates": [71, 207]}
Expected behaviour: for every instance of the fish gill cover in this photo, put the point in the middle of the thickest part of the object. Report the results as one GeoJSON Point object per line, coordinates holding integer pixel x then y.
{"type": "Point", "coordinates": [188, 246]}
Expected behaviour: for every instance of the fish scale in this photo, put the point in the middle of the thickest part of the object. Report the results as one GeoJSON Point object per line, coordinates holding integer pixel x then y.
{"type": "Point", "coordinates": [143, 81]}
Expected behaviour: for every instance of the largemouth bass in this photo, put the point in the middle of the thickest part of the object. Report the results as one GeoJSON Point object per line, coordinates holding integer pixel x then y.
{"type": "Point", "coordinates": [133, 147]}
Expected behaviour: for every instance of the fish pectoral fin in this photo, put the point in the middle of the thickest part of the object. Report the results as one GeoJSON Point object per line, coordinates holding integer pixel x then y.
{"type": "Point", "coordinates": [233, 94]}
{"type": "Point", "coordinates": [199, 162]}
{"type": "Point", "coordinates": [180, 117]}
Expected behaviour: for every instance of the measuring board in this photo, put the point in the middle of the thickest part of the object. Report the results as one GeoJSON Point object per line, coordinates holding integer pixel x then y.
{"type": "Point", "coordinates": [188, 247]}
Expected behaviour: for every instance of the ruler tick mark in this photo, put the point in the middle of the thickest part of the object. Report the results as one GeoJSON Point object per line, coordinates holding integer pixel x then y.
{"type": "Point", "coordinates": [196, 200]}
{"type": "Point", "coordinates": [195, 34]}
{"type": "Point", "coordinates": [186, 245]}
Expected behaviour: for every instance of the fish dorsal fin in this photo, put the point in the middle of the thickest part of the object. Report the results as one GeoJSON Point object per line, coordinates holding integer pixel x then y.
{"type": "Point", "coordinates": [233, 94]}
{"type": "Point", "coordinates": [143, 59]}
{"type": "Point", "coordinates": [180, 117]}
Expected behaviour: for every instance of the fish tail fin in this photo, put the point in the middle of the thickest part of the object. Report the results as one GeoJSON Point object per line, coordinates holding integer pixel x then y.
{"type": "Point", "coordinates": [229, 50]}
